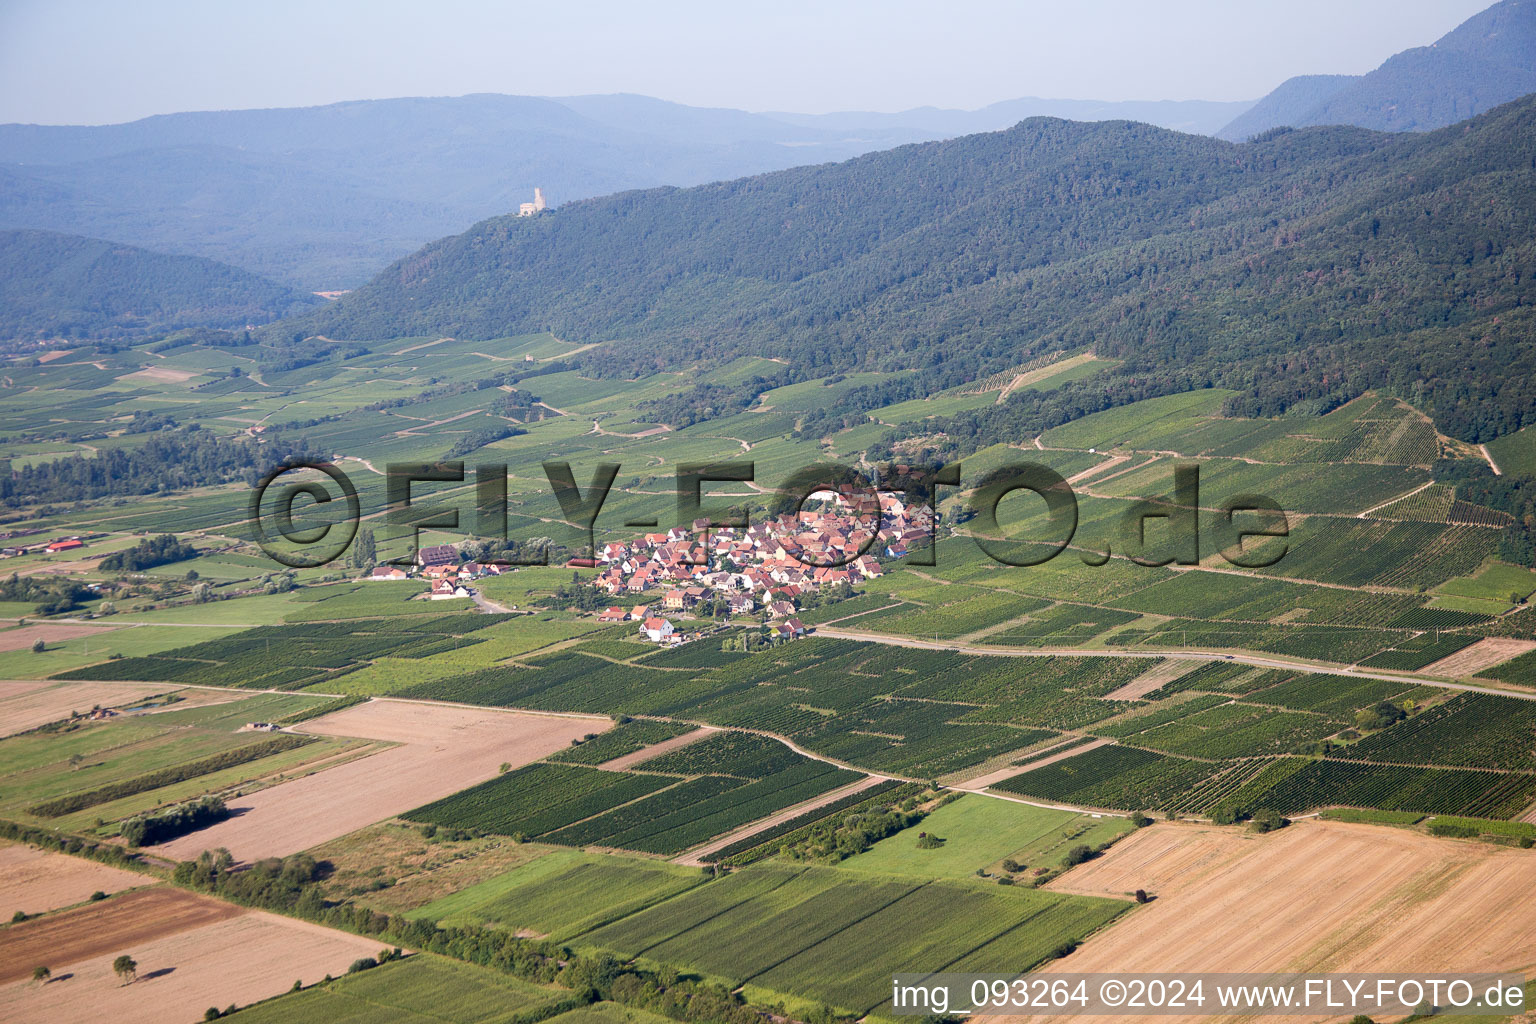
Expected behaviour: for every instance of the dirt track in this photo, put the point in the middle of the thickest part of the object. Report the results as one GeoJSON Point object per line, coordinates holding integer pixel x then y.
{"type": "Point", "coordinates": [695, 858]}
{"type": "Point", "coordinates": [981, 782]}
{"type": "Point", "coordinates": [628, 761]}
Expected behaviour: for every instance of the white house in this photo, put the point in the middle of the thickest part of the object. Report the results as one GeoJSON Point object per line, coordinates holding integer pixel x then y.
{"type": "Point", "coordinates": [657, 629]}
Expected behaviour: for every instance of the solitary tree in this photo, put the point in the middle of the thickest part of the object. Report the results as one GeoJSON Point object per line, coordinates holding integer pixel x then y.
{"type": "Point", "coordinates": [126, 968]}
{"type": "Point", "coordinates": [1141, 896]}
{"type": "Point", "coordinates": [41, 973]}
{"type": "Point", "coordinates": [39, 645]}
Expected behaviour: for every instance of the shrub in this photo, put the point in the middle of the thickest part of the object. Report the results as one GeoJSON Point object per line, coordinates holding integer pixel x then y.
{"type": "Point", "coordinates": [362, 964]}
{"type": "Point", "coordinates": [1077, 855]}
{"type": "Point", "coordinates": [1267, 821]}
{"type": "Point", "coordinates": [1379, 716]}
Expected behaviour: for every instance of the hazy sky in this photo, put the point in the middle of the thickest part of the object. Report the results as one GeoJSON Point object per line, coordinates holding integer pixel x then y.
{"type": "Point", "coordinates": [100, 61]}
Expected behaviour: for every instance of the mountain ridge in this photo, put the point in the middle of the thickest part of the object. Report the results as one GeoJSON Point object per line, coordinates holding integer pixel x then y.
{"type": "Point", "coordinates": [1185, 257]}
{"type": "Point", "coordinates": [323, 197]}
{"type": "Point", "coordinates": [58, 285]}
{"type": "Point", "coordinates": [1487, 60]}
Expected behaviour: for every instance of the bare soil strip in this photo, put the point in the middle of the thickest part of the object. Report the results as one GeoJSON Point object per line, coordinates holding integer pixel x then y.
{"type": "Point", "coordinates": [161, 375]}
{"type": "Point", "coordinates": [1152, 679]}
{"type": "Point", "coordinates": [1103, 467]}
{"type": "Point", "coordinates": [981, 782]}
{"type": "Point", "coordinates": [1469, 661]}
{"type": "Point", "coordinates": [1043, 372]}
{"type": "Point", "coordinates": [628, 761]}
{"type": "Point", "coordinates": [440, 749]}
{"type": "Point", "coordinates": [695, 857]}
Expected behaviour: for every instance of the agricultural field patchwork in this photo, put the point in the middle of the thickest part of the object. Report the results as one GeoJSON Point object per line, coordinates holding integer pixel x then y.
{"type": "Point", "coordinates": [518, 764]}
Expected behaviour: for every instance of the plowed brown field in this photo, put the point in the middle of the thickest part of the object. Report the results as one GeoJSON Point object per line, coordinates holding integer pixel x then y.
{"type": "Point", "coordinates": [105, 929]}
{"type": "Point", "coordinates": [241, 957]}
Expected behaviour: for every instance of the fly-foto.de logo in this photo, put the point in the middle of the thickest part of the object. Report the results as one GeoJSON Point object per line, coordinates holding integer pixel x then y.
{"type": "Point", "coordinates": [306, 514]}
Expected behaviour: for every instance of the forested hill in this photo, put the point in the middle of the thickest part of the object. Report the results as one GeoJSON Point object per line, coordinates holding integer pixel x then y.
{"type": "Point", "coordinates": [54, 285]}
{"type": "Point", "coordinates": [1299, 269]}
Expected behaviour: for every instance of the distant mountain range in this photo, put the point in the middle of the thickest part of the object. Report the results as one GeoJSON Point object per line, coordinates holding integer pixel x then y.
{"type": "Point", "coordinates": [1488, 59]}
{"type": "Point", "coordinates": [65, 286]}
{"type": "Point", "coordinates": [324, 197]}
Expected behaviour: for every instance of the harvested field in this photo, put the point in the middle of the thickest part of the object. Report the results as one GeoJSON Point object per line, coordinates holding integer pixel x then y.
{"type": "Point", "coordinates": [628, 761]}
{"type": "Point", "coordinates": [442, 749]}
{"type": "Point", "coordinates": [1484, 654]}
{"type": "Point", "coordinates": [1317, 896]}
{"type": "Point", "coordinates": [27, 704]}
{"type": "Point", "coordinates": [36, 881]}
{"type": "Point", "coordinates": [243, 957]}
{"type": "Point", "coordinates": [48, 632]}
{"type": "Point", "coordinates": [1157, 676]}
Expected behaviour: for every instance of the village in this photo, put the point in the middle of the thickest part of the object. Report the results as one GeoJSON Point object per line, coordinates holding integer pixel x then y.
{"type": "Point", "coordinates": [766, 569]}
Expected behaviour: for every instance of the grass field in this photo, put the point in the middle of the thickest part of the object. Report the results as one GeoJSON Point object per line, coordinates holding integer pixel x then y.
{"type": "Point", "coordinates": [980, 833]}
{"type": "Point", "coordinates": [836, 937]}
{"type": "Point", "coordinates": [135, 762]}
{"type": "Point", "coordinates": [564, 894]}
{"type": "Point", "coordinates": [420, 989]}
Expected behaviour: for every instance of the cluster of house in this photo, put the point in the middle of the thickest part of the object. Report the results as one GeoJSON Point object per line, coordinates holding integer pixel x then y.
{"type": "Point", "coordinates": [766, 566]}
{"type": "Point", "coordinates": [439, 566]}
